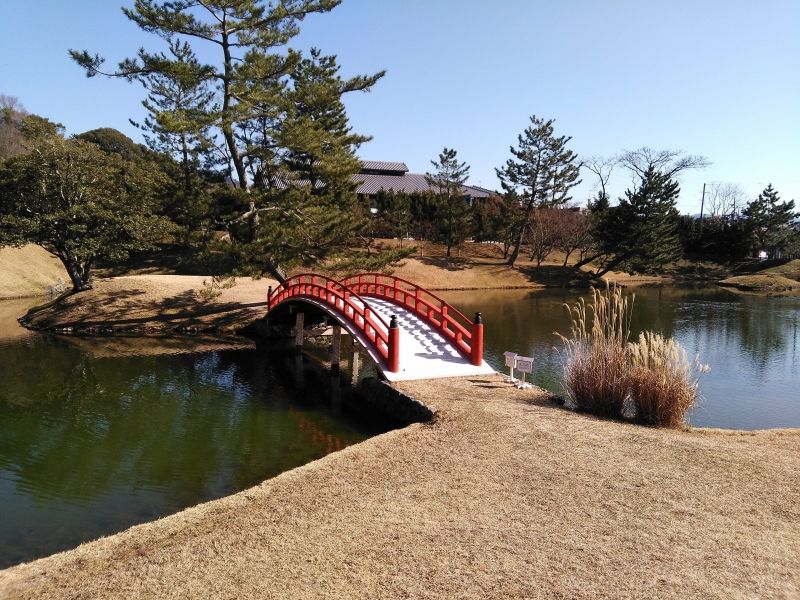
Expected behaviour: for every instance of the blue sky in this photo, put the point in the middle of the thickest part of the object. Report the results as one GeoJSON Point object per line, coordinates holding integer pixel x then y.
{"type": "Point", "coordinates": [718, 78]}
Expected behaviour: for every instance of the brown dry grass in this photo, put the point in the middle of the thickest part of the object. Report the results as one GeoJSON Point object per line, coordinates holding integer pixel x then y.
{"type": "Point", "coordinates": [505, 496]}
{"type": "Point", "coordinates": [762, 282]}
{"type": "Point", "coordinates": [661, 380]}
{"type": "Point", "coordinates": [28, 271]}
{"type": "Point", "coordinates": [158, 303]}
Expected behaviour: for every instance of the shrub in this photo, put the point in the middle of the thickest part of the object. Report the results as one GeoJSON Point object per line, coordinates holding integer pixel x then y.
{"type": "Point", "coordinates": [596, 352]}
{"type": "Point", "coordinates": [660, 380]}
{"type": "Point", "coordinates": [605, 375]}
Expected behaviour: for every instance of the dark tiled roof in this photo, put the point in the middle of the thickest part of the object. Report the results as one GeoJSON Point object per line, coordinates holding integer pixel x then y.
{"type": "Point", "coordinates": [380, 165]}
{"type": "Point", "coordinates": [409, 183]}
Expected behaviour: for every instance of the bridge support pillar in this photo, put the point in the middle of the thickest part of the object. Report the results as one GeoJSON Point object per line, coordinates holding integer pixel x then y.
{"type": "Point", "coordinates": [336, 347]}
{"type": "Point", "coordinates": [299, 324]}
{"type": "Point", "coordinates": [355, 365]}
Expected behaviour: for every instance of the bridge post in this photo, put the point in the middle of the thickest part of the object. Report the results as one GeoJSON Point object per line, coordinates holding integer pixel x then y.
{"type": "Point", "coordinates": [476, 347]}
{"type": "Point", "coordinates": [336, 347]}
{"type": "Point", "coordinates": [393, 360]}
{"type": "Point", "coordinates": [298, 330]}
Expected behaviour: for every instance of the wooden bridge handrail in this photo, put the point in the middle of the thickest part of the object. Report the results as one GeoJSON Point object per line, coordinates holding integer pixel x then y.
{"type": "Point", "coordinates": [347, 297]}
{"type": "Point", "coordinates": [321, 287]}
{"type": "Point", "coordinates": [448, 320]}
{"type": "Point", "coordinates": [451, 309]}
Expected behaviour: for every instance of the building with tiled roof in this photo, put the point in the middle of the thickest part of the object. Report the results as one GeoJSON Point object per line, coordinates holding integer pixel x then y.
{"type": "Point", "coordinates": [375, 176]}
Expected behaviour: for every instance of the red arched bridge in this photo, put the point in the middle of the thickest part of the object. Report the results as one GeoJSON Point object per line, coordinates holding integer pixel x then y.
{"type": "Point", "coordinates": [408, 331]}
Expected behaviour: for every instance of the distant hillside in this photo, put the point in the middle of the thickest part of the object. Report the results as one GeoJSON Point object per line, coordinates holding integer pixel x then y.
{"type": "Point", "coordinates": [28, 271]}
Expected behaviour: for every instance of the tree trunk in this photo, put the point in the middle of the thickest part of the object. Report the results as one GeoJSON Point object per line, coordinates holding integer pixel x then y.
{"type": "Point", "coordinates": [227, 124]}
{"type": "Point", "coordinates": [276, 271]}
{"type": "Point", "coordinates": [80, 276]}
{"type": "Point", "coordinates": [515, 253]}
{"type": "Point", "coordinates": [566, 258]}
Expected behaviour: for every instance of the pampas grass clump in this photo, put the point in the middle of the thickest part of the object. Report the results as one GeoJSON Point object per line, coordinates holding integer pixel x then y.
{"type": "Point", "coordinates": [596, 352]}
{"type": "Point", "coordinates": [605, 375]}
{"type": "Point", "coordinates": [661, 380]}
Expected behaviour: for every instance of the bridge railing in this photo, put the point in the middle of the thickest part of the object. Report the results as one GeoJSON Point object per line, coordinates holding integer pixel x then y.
{"type": "Point", "coordinates": [347, 301]}
{"type": "Point", "coordinates": [464, 333]}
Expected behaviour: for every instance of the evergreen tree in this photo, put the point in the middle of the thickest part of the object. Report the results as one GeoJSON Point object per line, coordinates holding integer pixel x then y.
{"type": "Point", "coordinates": [447, 182]}
{"type": "Point", "coordinates": [768, 221]}
{"type": "Point", "coordinates": [640, 234]}
{"type": "Point", "coordinates": [394, 210]}
{"type": "Point", "coordinates": [542, 171]}
{"type": "Point", "coordinates": [308, 212]}
{"type": "Point", "coordinates": [77, 202]}
{"type": "Point", "coordinates": [276, 119]}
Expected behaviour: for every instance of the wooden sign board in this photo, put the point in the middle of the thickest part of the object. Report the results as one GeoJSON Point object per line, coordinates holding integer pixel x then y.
{"type": "Point", "coordinates": [524, 364]}
{"type": "Point", "coordinates": [511, 359]}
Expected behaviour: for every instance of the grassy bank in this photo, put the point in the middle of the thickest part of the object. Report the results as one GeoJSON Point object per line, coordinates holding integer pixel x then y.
{"type": "Point", "coordinates": [504, 496]}
{"type": "Point", "coordinates": [28, 271]}
{"type": "Point", "coordinates": [153, 297]}
{"type": "Point", "coordinates": [780, 278]}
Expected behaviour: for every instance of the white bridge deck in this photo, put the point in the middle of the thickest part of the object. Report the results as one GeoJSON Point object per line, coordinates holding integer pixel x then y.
{"type": "Point", "coordinates": [424, 352]}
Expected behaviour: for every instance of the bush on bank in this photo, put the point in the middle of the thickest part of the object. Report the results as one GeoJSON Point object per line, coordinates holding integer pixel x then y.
{"type": "Point", "coordinates": [650, 380]}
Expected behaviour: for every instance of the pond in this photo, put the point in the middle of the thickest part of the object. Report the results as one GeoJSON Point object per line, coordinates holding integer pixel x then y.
{"type": "Point", "coordinates": [95, 437]}
{"type": "Point", "coordinates": [751, 343]}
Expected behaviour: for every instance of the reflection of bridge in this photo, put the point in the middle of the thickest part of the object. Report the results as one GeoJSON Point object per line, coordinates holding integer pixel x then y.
{"type": "Point", "coordinates": [409, 332]}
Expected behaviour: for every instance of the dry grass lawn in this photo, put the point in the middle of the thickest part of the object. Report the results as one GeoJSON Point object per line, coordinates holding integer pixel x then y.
{"type": "Point", "coordinates": [158, 303]}
{"type": "Point", "coordinates": [768, 282]}
{"type": "Point", "coordinates": [28, 271]}
{"type": "Point", "coordinates": [785, 277]}
{"type": "Point", "coordinates": [505, 496]}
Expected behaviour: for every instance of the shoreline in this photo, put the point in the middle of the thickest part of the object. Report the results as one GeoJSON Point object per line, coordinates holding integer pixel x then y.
{"type": "Point", "coordinates": [172, 306]}
{"type": "Point", "coordinates": [504, 495]}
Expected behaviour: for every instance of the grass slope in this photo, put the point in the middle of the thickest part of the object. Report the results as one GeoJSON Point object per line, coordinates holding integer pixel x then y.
{"type": "Point", "coordinates": [28, 271]}
{"type": "Point", "coordinates": [785, 277]}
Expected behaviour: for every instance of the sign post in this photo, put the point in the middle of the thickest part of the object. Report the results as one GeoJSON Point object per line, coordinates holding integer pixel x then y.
{"type": "Point", "coordinates": [524, 365]}
{"type": "Point", "coordinates": [511, 361]}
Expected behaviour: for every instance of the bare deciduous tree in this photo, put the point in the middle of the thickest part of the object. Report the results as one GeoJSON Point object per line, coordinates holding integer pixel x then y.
{"type": "Point", "coordinates": [668, 162]}
{"type": "Point", "coordinates": [543, 233]}
{"type": "Point", "coordinates": [725, 199]}
{"type": "Point", "coordinates": [573, 232]}
{"type": "Point", "coordinates": [601, 167]}
{"type": "Point", "coordinates": [11, 114]}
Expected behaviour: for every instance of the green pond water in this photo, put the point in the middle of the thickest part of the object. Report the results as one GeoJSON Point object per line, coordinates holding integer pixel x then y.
{"type": "Point", "coordinates": [751, 343]}
{"type": "Point", "coordinates": [91, 444]}
{"type": "Point", "coordinates": [97, 435]}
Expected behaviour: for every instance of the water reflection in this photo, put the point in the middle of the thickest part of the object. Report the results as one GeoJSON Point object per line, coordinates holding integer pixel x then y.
{"type": "Point", "coordinates": [750, 342]}
{"type": "Point", "coordinates": [89, 446]}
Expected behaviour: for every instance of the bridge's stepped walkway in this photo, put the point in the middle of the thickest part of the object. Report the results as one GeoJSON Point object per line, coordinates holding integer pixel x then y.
{"type": "Point", "coordinates": [424, 352]}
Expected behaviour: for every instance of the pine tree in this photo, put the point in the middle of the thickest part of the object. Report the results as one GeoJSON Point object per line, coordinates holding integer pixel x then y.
{"type": "Point", "coordinates": [276, 119]}
{"type": "Point", "coordinates": [542, 171]}
{"type": "Point", "coordinates": [769, 221]}
{"type": "Point", "coordinates": [308, 214]}
{"type": "Point", "coordinates": [640, 234]}
{"type": "Point", "coordinates": [447, 182]}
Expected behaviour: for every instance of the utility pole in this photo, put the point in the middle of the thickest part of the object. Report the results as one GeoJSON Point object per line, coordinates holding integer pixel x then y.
{"type": "Point", "coordinates": [702, 206]}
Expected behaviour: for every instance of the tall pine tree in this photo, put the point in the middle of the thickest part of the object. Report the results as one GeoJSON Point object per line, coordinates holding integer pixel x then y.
{"type": "Point", "coordinates": [768, 220]}
{"type": "Point", "coordinates": [542, 171]}
{"type": "Point", "coordinates": [276, 118]}
{"type": "Point", "coordinates": [447, 182]}
{"type": "Point", "coordinates": [640, 234]}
